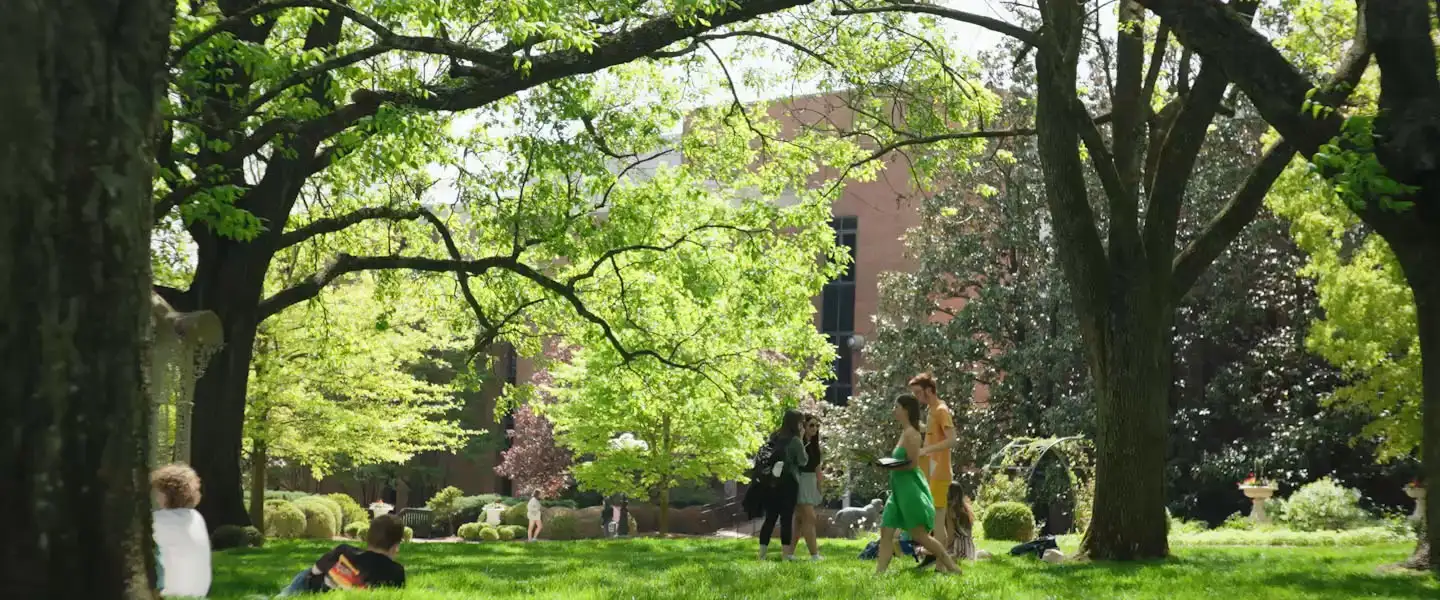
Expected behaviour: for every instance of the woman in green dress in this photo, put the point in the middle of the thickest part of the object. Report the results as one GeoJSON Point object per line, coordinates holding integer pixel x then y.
{"type": "Point", "coordinates": [910, 508]}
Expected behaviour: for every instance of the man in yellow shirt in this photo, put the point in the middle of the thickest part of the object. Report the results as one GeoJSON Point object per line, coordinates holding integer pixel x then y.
{"type": "Point", "coordinates": [934, 459]}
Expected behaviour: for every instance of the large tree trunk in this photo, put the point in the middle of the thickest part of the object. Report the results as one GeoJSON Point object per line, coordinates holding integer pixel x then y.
{"type": "Point", "coordinates": [1418, 254]}
{"type": "Point", "coordinates": [1132, 383]}
{"type": "Point", "coordinates": [228, 281]}
{"type": "Point", "coordinates": [77, 111]}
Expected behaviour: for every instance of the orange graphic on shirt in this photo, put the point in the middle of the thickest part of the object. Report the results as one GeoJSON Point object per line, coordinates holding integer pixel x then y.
{"type": "Point", "coordinates": [344, 576]}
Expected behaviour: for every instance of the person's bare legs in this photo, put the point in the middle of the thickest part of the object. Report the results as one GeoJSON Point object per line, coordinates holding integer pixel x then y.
{"type": "Point", "coordinates": [942, 529]}
{"type": "Point", "coordinates": [808, 522]}
{"type": "Point", "coordinates": [887, 548]}
{"type": "Point", "coordinates": [931, 545]}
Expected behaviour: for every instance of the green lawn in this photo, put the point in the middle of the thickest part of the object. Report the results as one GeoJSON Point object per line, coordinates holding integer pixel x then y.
{"type": "Point", "coordinates": [699, 569]}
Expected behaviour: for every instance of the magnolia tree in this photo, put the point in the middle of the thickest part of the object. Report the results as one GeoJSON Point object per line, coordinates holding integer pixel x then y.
{"type": "Point", "coordinates": [534, 461]}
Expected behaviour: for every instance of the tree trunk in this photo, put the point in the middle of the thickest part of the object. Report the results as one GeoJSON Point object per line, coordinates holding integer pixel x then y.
{"type": "Point", "coordinates": [1132, 386]}
{"type": "Point", "coordinates": [665, 449]}
{"type": "Point", "coordinates": [80, 104]}
{"type": "Point", "coordinates": [1418, 253]}
{"type": "Point", "coordinates": [259, 457]}
{"type": "Point", "coordinates": [229, 281]}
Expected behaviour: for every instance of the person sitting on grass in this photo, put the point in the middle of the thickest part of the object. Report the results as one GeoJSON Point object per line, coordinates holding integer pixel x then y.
{"type": "Point", "coordinates": [347, 568]}
{"type": "Point", "coordinates": [182, 541]}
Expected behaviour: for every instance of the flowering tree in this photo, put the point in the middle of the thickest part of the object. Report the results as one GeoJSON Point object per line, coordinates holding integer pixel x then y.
{"type": "Point", "coordinates": [534, 461]}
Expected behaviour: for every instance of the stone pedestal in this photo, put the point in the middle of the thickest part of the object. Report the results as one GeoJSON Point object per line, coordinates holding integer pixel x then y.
{"type": "Point", "coordinates": [1417, 494]}
{"type": "Point", "coordinates": [1258, 494]}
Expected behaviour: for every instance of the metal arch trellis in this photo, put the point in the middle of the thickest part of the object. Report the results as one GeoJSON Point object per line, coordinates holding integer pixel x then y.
{"type": "Point", "coordinates": [997, 460]}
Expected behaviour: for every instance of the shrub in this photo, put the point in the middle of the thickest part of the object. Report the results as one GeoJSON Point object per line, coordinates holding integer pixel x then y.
{"type": "Point", "coordinates": [286, 495]}
{"type": "Point", "coordinates": [508, 533]}
{"type": "Point", "coordinates": [472, 508]}
{"type": "Point", "coordinates": [1009, 521]}
{"type": "Point", "coordinates": [321, 504]}
{"type": "Point", "coordinates": [1002, 488]}
{"type": "Point", "coordinates": [442, 504]}
{"type": "Point", "coordinates": [409, 534]}
{"type": "Point", "coordinates": [350, 510]}
{"type": "Point", "coordinates": [1324, 505]}
{"type": "Point", "coordinates": [357, 530]}
{"type": "Point", "coordinates": [283, 520]}
{"type": "Point", "coordinates": [1237, 522]}
{"type": "Point", "coordinates": [489, 534]}
{"type": "Point", "coordinates": [235, 536]}
{"type": "Point", "coordinates": [560, 524]}
{"type": "Point", "coordinates": [515, 515]}
{"type": "Point", "coordinates": [469, 532]}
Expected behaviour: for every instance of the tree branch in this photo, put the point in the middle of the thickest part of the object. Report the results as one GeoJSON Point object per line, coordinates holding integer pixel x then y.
{"type": "Point", "coordinates": [1231, 220]}
{"type": "Point", "coordinates": [347, 263]}
{"type": "Point", "coordinates": [333, 224]}
{"type": "Point", "coordinates": [993, 24]}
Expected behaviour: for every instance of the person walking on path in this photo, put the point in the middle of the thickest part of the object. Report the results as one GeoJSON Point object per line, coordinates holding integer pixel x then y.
{"type": "Point", "coordinates": [779, 483]}
{"type": "Point", "coordinates": [534, 510]}
{"type": "Point", "coordinates": [806, 520]}
{"type": "Point", "coordinates": [934, 456]}
{"type": "Point", "coordinates": [911, 507]}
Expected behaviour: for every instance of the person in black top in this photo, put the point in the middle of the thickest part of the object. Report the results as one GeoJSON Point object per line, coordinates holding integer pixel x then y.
{"type": "Point", "coordinates": [348, 568]}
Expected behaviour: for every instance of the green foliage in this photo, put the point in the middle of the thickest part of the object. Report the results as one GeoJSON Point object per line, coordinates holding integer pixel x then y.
{"type": "Point", "coordinates": [409, 535]}
{"type": "Point", "coordinates": [469, 532]}
{"type": "Point", "coordinates": [337, 514]}
{"type": "Point", "coordinates": [514, 531]}
{"type": "Point", "coordinates": [1324, 505]}
{"type": "Point", "coordinates": [351, 509]}
{"type": "Point", "coordinates": [284, 520]}
{"type": "Point", "coordinates": [284, 495]}
{"type": "Point", "coordinates": [1273, 536]}
{"type": "Point", "coordinates": [560, 524]}
{"type": "Point", "coordinates": [1002, 487]}
{"type": "Point", "coordinates": [357, 529]}
{"type": "Point", "coordinates": [343, 381]}
{"type": "Point", "coordinates": [506, 533]}
{"type": "Point", "coordinates": [234, 536]}
{"type": "Point", "coordinates": [489, 534]}
{"type": "Point", "coordinates": [319, 518]}
{"type": "Point", "coordinates": [444, 505]}
{"type": "Point", "coordinates": [1009, 521]}
{"type": "Point", "coordinates": [516, 514]}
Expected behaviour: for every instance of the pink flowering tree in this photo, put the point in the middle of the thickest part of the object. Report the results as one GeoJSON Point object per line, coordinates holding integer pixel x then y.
{"type": "Point", "coordinates": [534, 461]}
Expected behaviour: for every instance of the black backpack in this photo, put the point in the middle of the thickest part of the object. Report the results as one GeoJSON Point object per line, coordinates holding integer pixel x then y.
{"type": "Point", "coordinates": [762, 473]}
{"type": "Point", "coordinates": [1036, 547]}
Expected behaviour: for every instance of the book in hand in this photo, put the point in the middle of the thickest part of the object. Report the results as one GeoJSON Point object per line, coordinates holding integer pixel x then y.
{"type": "Point", "coordinates": [884, 462]}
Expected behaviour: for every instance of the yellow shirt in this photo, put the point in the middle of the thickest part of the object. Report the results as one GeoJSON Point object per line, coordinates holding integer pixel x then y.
{"type": "Point", "coordinates": [936, 465]}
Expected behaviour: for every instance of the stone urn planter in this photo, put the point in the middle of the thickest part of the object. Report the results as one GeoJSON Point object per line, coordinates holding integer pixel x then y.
{"type": "Point", "coordinates": [1258, 494]}
{"type": "Point", "coordinates": [493, 513]}
{"type": "Point", "coordinates": [1417, 494]}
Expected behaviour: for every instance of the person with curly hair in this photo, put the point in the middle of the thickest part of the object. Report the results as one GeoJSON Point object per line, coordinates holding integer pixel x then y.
{"type": "Point", "coordinates": [181, 539]}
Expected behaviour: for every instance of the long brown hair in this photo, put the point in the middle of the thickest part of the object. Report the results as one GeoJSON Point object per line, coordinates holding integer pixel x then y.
{"type": "Point", "coordinates": [962, 517]}
{"type": "Point", "coordinates": [911, 404]}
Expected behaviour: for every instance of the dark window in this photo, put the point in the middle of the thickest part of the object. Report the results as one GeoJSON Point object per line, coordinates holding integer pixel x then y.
{"type": "Point", "coordinates": [512, 365]}
{"type": "Point", "coordinates": [837, 313]}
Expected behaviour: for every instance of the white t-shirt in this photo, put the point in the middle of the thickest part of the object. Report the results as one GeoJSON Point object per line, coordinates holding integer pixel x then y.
{"type": "Point", "coordinates": [535, 508]}
{"type": "Point", "coordinates": [184, 545]}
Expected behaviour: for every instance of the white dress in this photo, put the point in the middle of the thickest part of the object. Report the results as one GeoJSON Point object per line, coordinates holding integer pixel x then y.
{"type": "Point", "coordinates": [534, 509]}
{"type": "Point", "coordinates": [184, 545]}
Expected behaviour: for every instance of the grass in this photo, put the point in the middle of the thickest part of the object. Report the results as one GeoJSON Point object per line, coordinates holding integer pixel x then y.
{"type": "Point", "coordinates": [705, 569]}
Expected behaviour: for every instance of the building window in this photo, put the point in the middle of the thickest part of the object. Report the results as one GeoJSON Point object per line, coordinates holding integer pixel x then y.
{"type": "Point", "coordinates": [837, 314]}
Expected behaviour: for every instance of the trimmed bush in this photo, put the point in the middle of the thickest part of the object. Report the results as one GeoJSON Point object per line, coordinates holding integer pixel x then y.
{"type": "Point", "coordinates": [357, 530]}
{"type": "Point", "coordinates": [443, 504]}
{"type": "Point", "coordinates": [409, 534]}
{"type": "Point", "coordinates": [350, 509]}
{"type": "Point", "coordinates": [516, 532]}
{"type": "Point", "coordinates": [235, 536]}
{"type": "Point", "coordinates": [469, 532]}
{"type": "Point", "coordinates": [1002, 488]}
{"type": "Point", "coordinates": [506, 533]}
{"type": "Point", "coordinates": [1011, 521]}
{"type": "Point", "coordinates": [1324, 505]}
{"type": "Point", "coordinates": [489, 534]}
{"type": "Point", "coordinates": [284, 520]}
{"type": "Point", "coordinates": [286, 495]}
{"type": "Point", "coordinates": [559, 524]}
{"type": "Point", "coordinates": [516, 515]}
{"type": "Point", "coordinates": [337, 514]}
{"type": "Point", "coordinates": [319, 518]}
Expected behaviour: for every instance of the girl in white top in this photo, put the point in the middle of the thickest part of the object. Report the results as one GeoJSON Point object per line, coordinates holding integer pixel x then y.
{"type": "Point", "coordinates": [181, 537]}
{"type": "Point", "coordinates": [533, 510]}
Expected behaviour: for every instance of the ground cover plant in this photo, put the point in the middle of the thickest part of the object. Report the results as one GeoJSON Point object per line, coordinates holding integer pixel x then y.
{"type": "Point", "coordinates": [705, 568]}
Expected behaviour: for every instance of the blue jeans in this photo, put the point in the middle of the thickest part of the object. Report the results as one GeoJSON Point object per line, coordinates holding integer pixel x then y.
{"type": "Point", "coordinates": [297, 585]}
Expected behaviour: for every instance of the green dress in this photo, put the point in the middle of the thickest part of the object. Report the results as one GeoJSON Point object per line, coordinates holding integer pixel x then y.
{"type": "Point", "coordinates": [910, 504]}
